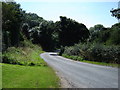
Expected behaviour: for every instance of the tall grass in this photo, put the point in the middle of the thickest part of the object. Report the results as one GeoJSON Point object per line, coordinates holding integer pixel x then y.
{"type": "Point", "coordinates": [27, 54]}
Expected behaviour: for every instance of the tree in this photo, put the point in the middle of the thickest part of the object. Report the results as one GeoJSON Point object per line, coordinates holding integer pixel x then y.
{"type": "Point", "coordinates": [45, 34]}
{"type": "Point", "coordinates": [115, 34]}
{"type": "Point", "coordinates": [34, 34]}
{"type": "Point", "coordinates": [97, 27]}
{"type": "Point", "coordinates": [32, 19]}
{"type": "Point", "coordinates": [25, 30]}
{"type": "Point", "coordinates": [71, 32]}
{"type": "Point", "coordinates": [98, 33]}
{"type": "Point", "coordinates": [11, 22]}
{"type": "Point", "coordinates": [47, 29]}
{"type": "Point", "coordinates": [116, 12]}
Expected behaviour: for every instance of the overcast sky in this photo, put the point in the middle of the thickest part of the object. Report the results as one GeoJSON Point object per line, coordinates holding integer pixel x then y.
{"type": "Point", "coordinates": [89, 13]}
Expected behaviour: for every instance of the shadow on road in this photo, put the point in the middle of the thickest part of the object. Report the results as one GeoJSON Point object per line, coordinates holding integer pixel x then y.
{"type": "Point", "coordinates": [54, 54]}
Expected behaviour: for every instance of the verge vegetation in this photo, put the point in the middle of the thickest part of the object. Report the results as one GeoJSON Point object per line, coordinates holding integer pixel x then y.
{"type": "Point", "coordinates": [22, 67]}
{"type": "Point", "coordinates": [18, 76]}
{"type": "Point", "coordinates": [79, 58]}
{"type": "Point", "coordinates": [103, 46]}
{"type": "Point", "coordinates": [25, 54]}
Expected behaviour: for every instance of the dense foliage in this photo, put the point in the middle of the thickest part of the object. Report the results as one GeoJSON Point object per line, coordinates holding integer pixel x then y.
{"type": "Point", "coordinates": [27, 54]}
{"type": "Point", "coordinates": [103, 45]}
{"type": "Point", "coordinates": [72, 32]}
{"type": "Point", "coordinates": [18, 25]}
{"type": "Point", "coordinates": [98, 43]}
{"type": "Point", "coordinates": [11, 23]}
{"type": "Point", "coordinates": [95, 52]}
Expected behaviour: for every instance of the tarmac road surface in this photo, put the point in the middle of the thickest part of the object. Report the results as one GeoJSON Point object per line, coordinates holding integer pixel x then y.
{"type": "Point", "coordinates": [82, 75]}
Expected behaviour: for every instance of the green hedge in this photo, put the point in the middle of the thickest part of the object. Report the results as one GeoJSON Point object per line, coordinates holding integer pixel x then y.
{"type": "Point", "coordinates": [95, 52]}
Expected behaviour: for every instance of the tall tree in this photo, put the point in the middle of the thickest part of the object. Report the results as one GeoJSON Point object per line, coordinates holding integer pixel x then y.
{"type": "Point", "coordinates": [11, 21]}
{"type": "Point", "coordinates": [72, 32]}
{"type": "Point", "coordinates": [32, 19]}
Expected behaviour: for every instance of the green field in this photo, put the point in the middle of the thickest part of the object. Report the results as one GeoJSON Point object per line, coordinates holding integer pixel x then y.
{"type": "Point", "coordinates": [17, 76]}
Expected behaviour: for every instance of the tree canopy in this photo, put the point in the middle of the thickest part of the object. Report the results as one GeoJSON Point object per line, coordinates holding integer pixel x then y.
{"type": "Point", "coordinates": [72, 32]}
{"type": "Point", "coordinates": [11, 23]}
{"type": "Point", "coordinates": [19, 25]}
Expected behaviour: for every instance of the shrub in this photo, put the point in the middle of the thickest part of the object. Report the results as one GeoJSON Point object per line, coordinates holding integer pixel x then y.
{"type": "Point", "coordinates": [72, 50]}
{"type": "Point", "coordinates": [94, 52]}
{"type": "Point", "coordinates": [26, 55]}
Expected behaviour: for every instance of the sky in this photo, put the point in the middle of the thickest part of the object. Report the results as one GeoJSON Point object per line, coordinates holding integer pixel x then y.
{"type": "Point", "coordinates": [90, 12]}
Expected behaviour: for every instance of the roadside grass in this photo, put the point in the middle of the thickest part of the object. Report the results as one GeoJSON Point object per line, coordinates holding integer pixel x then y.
{"type": "Point", "coordinates": [78, 58]}
{"type": "Point", "coordinates": [25, 55]}
{"type": "Point", "coordinates": [22, 67]}
{"type": "Point", "coordinates": [18, 76]}
{"type": "Point", "coordinates": [0, 77]}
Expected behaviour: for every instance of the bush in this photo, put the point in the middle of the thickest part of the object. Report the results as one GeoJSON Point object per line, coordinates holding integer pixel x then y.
{"type": "Point", "coordinates": [102, 53]}
{"type": "Point", "coordinates": [26, 55]}
{"type": "Point", "coordinates": [94, 52]}
{"type": "Point", "coordinates": [72, 50]}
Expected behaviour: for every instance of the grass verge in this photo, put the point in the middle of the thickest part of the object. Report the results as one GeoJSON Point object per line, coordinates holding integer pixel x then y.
{"type": "Point", "coordinates": [22, 67]}
{"type": "Point", "coordinates": [17, 76]}
{"type": "Point", "coordinates": [27, 54]}
{"type": "Point", "coordinates": [78, 58]}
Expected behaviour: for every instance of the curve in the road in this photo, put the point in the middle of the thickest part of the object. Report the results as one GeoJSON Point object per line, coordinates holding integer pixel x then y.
{"type": "Point", "coordinates": [83, 75]}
